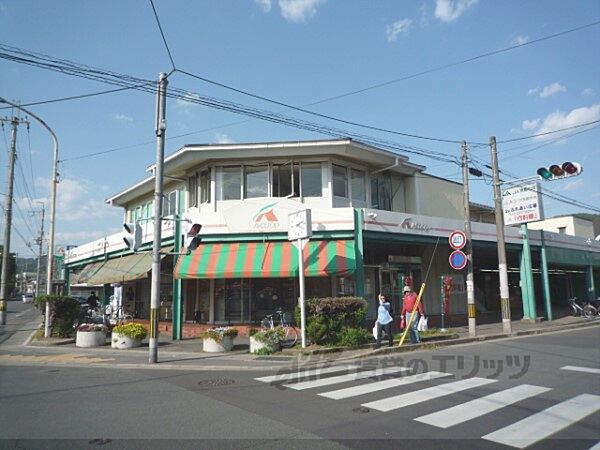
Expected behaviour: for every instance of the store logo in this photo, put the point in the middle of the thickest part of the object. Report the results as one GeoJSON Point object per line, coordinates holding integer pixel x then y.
{"type": "Point", "coordinates": [408, 224]}
{"type": "Point", "coordinates": [266, 219]}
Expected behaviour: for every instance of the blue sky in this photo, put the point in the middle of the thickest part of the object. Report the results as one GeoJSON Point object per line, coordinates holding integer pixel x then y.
{"type": "Point", "coordinates": [298, 52]}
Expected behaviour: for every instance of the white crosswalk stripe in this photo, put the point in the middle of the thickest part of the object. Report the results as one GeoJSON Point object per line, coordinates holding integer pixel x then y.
{"type": "Point", "coordinates": [481, 406]}
{"type": "Point", "coordinates": [381, 385]}
{"type": "Point", "coordinates": [306, 373]}
{"type": "Point", "coordinates": [348, 377]}
{"type": "Point", "coordinates": [423, 395]}
{"type": "Point", "coordinates": [581, 369]}
{"type": "Point", "coordinates": [539, 426]}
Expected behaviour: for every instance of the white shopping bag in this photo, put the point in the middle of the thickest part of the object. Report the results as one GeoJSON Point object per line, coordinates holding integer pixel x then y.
{"type": "Point", "coordinates": [422, 325]}
{"type": "Point", "coordinates": [375, 330]}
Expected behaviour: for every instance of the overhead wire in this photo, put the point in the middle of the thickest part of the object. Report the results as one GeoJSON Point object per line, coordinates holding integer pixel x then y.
{"type": "Point", "coordinates": [162, 34]}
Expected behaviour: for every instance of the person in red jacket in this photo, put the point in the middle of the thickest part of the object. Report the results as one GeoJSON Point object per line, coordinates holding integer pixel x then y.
{"type": "Point", "coordinates": [408, 302]}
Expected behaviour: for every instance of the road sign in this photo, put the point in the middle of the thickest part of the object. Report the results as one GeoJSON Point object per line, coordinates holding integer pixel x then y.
{"type": "Point", "coordinates": [457, 259]}
{"type": "Point", "coordinates": [522, 204]}
{"type": "Point", "coordinates": [457, 239]}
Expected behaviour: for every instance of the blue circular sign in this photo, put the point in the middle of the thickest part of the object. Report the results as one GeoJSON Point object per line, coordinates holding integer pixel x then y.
{"type": "Point", "coordinates": [457, 259]}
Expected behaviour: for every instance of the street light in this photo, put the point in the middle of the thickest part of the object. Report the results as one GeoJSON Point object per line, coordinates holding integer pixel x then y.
{"type": "Point", "coordinates": [50, 267]}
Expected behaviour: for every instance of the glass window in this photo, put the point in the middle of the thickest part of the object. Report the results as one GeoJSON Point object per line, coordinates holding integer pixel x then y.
{"type": "Point", "coordinates": [170, 204]}
{"type": "Point", "coordinates": [193, 191]}
{"type": "Point", "coordinates": [256, 181]}
{"type": "Point", "coordinates": [229, 183]}
{"type": "Point", "coordinates": [340, 188]}
{"type": "Point", "coordinates": [357, 183]}
{"type": "Point", "coordinates": [285, 181]}
{"type": "Point", "coordinates": [205, 186]}
{"type": "Point", "coordinates": [381, 192]}
{"type": "Point", "coordinates": [311, 180]}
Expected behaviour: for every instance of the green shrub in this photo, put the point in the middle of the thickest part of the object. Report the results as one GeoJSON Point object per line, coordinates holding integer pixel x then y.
{"type": "Point", "coordinates": [352, 337]}
{"type": "Point", "coordinates": [216, 334]}
{"type": "Point", "coordinates": [317, 329]}
{"type": "Point", "coordinates": [270, 336]}
{"type": "Point", "coordinates": [252, 331]}
{"type": "Point", "coordinates": [262, 351]}
{"type": "Point", "coordinates": [132, 329]}
{"type": "Point", "coordinates": [63, 312]}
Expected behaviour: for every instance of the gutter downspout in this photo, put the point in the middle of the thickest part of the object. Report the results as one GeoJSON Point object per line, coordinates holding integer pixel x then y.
{"type": "Point", "coordinates": [396, 164]}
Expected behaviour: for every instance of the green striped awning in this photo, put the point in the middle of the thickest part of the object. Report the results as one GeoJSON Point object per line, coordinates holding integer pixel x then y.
{"type": "Point", "coordinates": [266, 260]}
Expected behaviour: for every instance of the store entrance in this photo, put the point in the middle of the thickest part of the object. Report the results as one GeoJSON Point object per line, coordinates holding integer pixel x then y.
{"type": "Point", "coordinates": [392, 281]}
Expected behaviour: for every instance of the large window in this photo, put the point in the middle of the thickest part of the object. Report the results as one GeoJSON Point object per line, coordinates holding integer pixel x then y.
{"type": "Point", "coordinates": [286, 180]}
{"type": "Point", "coordinates": [229, 183]}
{"type": "Point", "coordinates": [311, 180]}
{"type": "Point", "coordinates": [357, 185]}
{"type": "Point", "coordinates": [170, 204]}
{"type": "Point", "coordinates": [256, 181]}
{"type": "Point", "coordinates": [381, 192]}
{"type": "Point", "coordinates": [340, 181]}
{"type": "Point", "coordinates": [205, 186]}
{"type": "Point", "coordinates": [193, 191]}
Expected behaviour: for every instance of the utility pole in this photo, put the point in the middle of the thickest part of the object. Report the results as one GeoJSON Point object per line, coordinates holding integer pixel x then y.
{"type": "Point", "coordinates": [502, 268]}
{"type": "Point", "coordinates": [160, 129]}
{"type": "Point", "coordinates": [471, 310]}
{"type": "Point", "coordinates": [12, 156]}
{"type": "Point", "coordinates": [39, 261]}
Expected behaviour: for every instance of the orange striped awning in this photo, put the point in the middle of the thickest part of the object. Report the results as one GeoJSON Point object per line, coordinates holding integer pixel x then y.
{"type": "Point", "coordinates": [266, 260]}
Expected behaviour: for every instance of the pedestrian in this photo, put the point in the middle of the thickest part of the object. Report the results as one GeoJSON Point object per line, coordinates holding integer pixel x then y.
{"type": "Point", "coordinates": [408, 303]}
{"type": "Point", "coordinates": [384, 321]}
{"type": "Point", "coordinates": [92, 300]}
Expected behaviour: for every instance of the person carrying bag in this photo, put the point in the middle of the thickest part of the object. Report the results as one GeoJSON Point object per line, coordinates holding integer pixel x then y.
{"type": "Point", "coordinates": [408, 302]}
{"type": "Point", "coordinates": [384, 321]}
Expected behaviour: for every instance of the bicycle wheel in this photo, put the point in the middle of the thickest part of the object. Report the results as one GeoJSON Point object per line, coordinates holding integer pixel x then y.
{"type": "Point", "coordinates": [587, 312]}
{"type": "Point", "coordinates": [290, 337]}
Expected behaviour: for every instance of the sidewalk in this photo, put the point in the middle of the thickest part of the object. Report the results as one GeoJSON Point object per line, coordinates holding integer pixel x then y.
{"type": "Point", "coordinates": [187, 354]}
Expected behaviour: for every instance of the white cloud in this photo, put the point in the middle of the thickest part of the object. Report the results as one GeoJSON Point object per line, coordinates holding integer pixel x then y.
{"type": "Point", "coordinates": [187, 100]}
{"type": "Point", "coordinates": [299, 11]}
{"type": "Point", "coordinates": [573, 185]}
{"type": "Point", "coordinates": [450, 10]}
{"type": "Point", "coordinates": [123, 118]}
{"type": "Point", "coordinates": [423, 15]}
{"type": "Point", "coordinates": [520, 40]}
{"type": "Point", "coordinates": [559, 120]}
{"type": "Point", "coordinates": [223, 139]}
{"type": "Point", "coordinates": [547, 91]}
{"type": "Point", "coordinates": [400, 26]}
{"type": "Point", "coordinates": [588, 92]}
{"type": "Point", "coordinates": [265, 5]}
{"type": "Point", "coordinates": [80, 237]}
{"type": "Point", "coordinates": [530, 124]}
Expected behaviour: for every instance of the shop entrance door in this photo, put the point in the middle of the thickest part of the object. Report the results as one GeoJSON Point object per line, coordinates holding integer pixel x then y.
{"type": "Point", "coordinates": [392, 281]}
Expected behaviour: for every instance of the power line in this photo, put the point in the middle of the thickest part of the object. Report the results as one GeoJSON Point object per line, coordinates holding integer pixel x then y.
{"type": "Point", "coordinates": [548, 132]}
{"type": "Point", "coordinates": [162, 33]}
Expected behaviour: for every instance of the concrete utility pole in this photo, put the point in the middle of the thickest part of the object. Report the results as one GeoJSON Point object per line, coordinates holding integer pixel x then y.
{"type": "Point", "coordinates": [471, 310]}
{"type": "Point", "coordinates": [502, 268]}
{"type": "Point", "coordinates": [40, 241]}
{"type": "Point", "coordinates": [160, 129]}
{"type": "Point", "coordinates": [12, 156]}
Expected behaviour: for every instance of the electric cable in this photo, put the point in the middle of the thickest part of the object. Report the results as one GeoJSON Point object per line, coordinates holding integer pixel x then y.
{"type": "Point", "coordinates": [162, 34]}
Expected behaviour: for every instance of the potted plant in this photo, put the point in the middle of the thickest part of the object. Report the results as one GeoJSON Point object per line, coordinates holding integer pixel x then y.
{"type": "Point", "coordinates": [268, 339]}
{"type": "Point", "coordinates": [91, 335]}
{"type": "Point", "coordinates": [216, 340]}
{"type": "Point", "coordinates": [128, 335]}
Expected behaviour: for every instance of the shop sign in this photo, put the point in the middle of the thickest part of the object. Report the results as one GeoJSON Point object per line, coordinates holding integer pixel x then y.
{"type": "Point", "coordinates": [410, 224]}
{"type": "Point", "coordinates": [522, 204]}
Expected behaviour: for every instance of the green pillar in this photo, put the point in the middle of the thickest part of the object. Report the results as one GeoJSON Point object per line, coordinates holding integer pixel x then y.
{"type": "Point", "coordinates": [524, 288]}
{"type": "Point", "coordinates": [526, 260]}
{"type": "Point", "coordinates": [359, 273]}
{"type": "Point", "coordinates": [176, 312]}
{"type": "Point", "coordinates": [589, 282]}
{"type": "Point", "coordinates": [545, 279]}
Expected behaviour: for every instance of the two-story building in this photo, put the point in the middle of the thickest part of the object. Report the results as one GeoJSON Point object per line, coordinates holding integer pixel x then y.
{"type": "Point", "coordinates": [377, 219]}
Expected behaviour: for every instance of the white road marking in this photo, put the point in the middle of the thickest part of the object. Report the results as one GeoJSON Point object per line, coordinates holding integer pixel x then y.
{"type": "Point", "coordinates": [384, 384]}
{"type": "Point", "coordinates": [344, 378]}
{"type": "Point", "coordinates": [595, 447]}
{"type": "Point", "coordinates": [481, 406]}
{"type": "Point", "coordinates": [581, 369]}
{"type": "Point", "coordinates": [305, 373]}
{"type": "Point", "coordinates": [547, 422]}
{"type": "Point", "coordinates": [411, 398]}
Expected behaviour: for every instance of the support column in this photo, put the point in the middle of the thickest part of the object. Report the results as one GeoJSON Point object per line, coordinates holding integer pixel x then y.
{"type": "Point", "coordinates": [524, 287]}
{"type": "Point", "coordinates": [359, 272]}
{"type": "Point", "coordinates": [589, 282]}
{"type": "Point", "coordinates": [526, 259]}
{"type": "Point", "coordinates": [545, 279]}
{"type": "Point", "coordinates": [176, 300]}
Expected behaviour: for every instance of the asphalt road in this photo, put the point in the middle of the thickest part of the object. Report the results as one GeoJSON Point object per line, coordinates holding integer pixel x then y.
{"type": "Point", "coordinates": [21, 320]}
{"type": "Point", "coordinates": [527, 401]}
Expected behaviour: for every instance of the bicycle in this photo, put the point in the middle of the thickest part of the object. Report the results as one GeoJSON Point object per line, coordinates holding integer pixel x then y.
{"type": "Point", "coordinates": [290, 336]}
{"type": "Point", "coordinates": [117, 316]}
{"type": "Point", "coordinates": [587, 310]}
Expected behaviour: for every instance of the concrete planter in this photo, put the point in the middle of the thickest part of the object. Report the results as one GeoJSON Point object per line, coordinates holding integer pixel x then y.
{"type": "Point", "coordinates": [211, 346]}
{"type": "Point", "coordinates": [257, 345]}
{"type": "Point", "coordinates": [123, 342]}
{"type": "Point", "coordinates": [90, 339]}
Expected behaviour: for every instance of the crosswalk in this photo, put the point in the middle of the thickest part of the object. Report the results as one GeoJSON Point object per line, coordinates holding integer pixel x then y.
{"type": "Point", "coordinates": [521, 434]}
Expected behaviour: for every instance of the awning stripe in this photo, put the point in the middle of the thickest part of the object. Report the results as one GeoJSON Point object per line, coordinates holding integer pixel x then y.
{"type": "Point", "coordinates": [267, 259]}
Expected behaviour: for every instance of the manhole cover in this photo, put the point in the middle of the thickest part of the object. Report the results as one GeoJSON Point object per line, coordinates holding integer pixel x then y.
{"type": "Point", "coordinates": [361, 410]}
{"type": "Point", "coordinates": [216, 382]}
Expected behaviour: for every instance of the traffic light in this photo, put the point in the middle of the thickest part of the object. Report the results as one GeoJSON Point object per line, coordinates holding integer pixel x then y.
{"type": "Point", "coordinates": [556, 172]}
{"type": "Point", "coordinates": [191, 238]}
{"type": "Point", "coordinates": [133, 235]}
{"type": "Point", "coordinates": [475, 172]}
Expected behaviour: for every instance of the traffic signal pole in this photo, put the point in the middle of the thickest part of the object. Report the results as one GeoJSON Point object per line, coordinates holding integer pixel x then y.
{"type": "Point", "coordinates": [471, 310]}
{"type": "Point", "coordinates": [502, 267]}
{"type": "Point", "coordinates": [160, 129]}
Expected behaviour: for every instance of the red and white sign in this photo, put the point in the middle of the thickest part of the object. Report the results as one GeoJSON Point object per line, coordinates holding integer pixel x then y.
{"type": "Point", "coordinates": [457, 260]}
{"type": "Point", "coordinates": [457, 239]}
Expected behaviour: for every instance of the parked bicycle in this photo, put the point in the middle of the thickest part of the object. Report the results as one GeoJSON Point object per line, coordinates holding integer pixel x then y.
{"type": "Point", "coordinates": [584, 310]}
{"type": "Point", "coordinates": [117, 316]}
{"type": "Point", "coordinates": [284, 320]}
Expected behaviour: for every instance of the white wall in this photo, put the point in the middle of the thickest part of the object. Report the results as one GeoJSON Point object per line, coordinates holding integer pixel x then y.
{"type": "Point", "coordinates": [574, 226]}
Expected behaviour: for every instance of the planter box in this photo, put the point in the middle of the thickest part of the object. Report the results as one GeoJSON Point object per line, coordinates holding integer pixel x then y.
{"type": "Point", "coordinates": [123, 342]}
{"type": "Point", "coordinates": [90, 339]}
{"type": "Point", "coordinates": [257, 345]}
{"type": "Point", "coordinates": [212, 346]}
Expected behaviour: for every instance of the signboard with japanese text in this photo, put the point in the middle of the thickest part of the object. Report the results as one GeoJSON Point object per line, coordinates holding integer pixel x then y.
{"type": "Point", "coordinates": [522, 204]}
